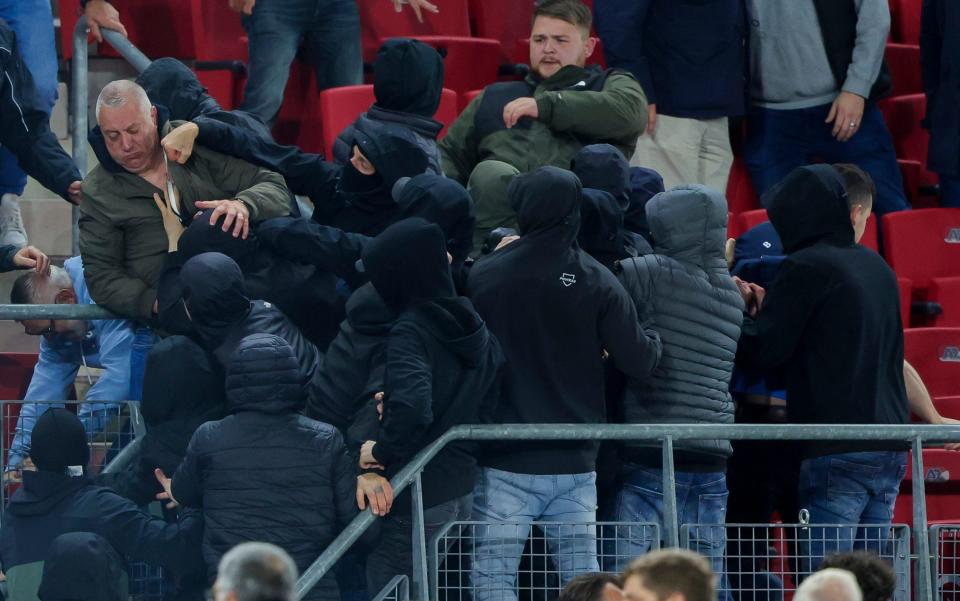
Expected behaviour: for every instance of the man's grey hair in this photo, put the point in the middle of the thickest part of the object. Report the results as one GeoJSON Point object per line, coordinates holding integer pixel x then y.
{"type": "Point", "coordinates": [257, 572]}
{"type": "Point", "coordinates": [119, 92]}
{"type": "Point", "coordinates": [36, 288]}
{"type": "Point", "coordinates": [829, 584]}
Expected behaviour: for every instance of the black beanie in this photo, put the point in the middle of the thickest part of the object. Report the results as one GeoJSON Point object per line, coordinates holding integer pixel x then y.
{"type": "Point", "coordinates": [59, 441]}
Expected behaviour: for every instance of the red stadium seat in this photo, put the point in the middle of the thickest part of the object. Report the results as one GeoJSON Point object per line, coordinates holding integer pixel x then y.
{"type": "Point", "coordinates": [905, 287]}
{"type": "Point", "coordinates": [948, 406]}
{"type": "Point", "coordinates": [503, 20]}
{"type": "Point", "coordinates": [946, 293]}
{"type": "Point", "coordinates": [751, 219]}
{"type": "Point", "coordinates": [16, 371]}
{"type": "Point", "coordinates": [904, 63]}
{"type": "Point", "coordinates": [741, 196]}
{"type": "Point", "coordinates": [905, 21]}
{"type": "Point", "coordinates": [448, 110]}
{"type": "Point", "coordinates": [468, 63]}
{"type": "Point", "coordinates": [468, 97]}
{"type": "Point", "coordinates": [922, 245]}
{"type": "Point", "coordinates": [903, 115]}
{"type": "Point", "coordinates": [935, 354]}
{"type": "Point", "coordinates": [379, 20]}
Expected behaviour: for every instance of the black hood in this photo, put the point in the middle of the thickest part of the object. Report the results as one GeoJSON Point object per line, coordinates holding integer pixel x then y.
{"type": "Point", "coordinates": [408, 77]}
{"type": "Point", "coordinates": [394, 152]}
{"type": "Point", "coordinates": [603, 167]}
{"type": "Point", "coordinates": [264, 376]}
{"type": "Point", "coordinates": [59, 441]}
{"type": "Point", "coordinates": [215, 295]}
{"type": "Point", "coordinates": [200, 237]}
{"type": "Point", "coordinates": [644, 185]}
{"type": "Point", "coordinates": [547, 203]}
{"type": "Point", "coordinates": [810, 206]}
{"type": "Point", "coordinates": [82, 566]}
{"type": "Point", "coordinates": [99, 145]}
{"type": "Point", "coordinates": [43, 491]}
{"type": "Point", "coordinates": [368, 314]}
{"type": "Point", "coordinates": [408, 265]}
{"type": "Point", "coordinates": [442, 201]}
{"type": "Point", "coordinates": [601, 227]}
{"type": "Point", "coordinates": [170, 83]}
{"type": "Point", "coordinates": [455, 324]}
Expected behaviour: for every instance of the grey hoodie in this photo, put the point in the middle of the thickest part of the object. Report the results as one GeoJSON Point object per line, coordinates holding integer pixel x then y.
{"type": "Point", "coordinates": [689, 298]}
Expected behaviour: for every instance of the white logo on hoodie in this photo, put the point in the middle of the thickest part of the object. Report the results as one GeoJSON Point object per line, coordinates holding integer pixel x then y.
{"type": "Point", "coordinates": [568, 279]}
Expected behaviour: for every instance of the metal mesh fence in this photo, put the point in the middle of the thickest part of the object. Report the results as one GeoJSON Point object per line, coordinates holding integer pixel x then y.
{"type": "Point", "coordinates": [397, 589]}
{"type": "Point", "coordinates": [146, 582]}
{"type": "Point", "coordinates": [945, 544]}
{"type": "Point", "coordinates": [766, 562]}
{"type": "Point", "coordinates": [507, 561]}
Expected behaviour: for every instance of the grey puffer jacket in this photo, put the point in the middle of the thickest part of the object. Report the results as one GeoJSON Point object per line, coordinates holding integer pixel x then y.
{"type": "Point", "coordinates": [687, 294]}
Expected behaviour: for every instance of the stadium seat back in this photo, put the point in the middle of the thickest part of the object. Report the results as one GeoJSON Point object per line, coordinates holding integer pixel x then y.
{"type": "Point", "coordinates": [922, 245]}
{"type": "Point", "coordinates": [339, 107]}
{"type": "Point", "coordinates": [903, 60]}
{"type": "Point", "coordinates": [935, 354]}
{"type": "Point", "coordinates": [503, 20]}
{"type": "Point", "coordinates": [379, 20]}
{"type": "Point", "coordinates": [448, 110]}
{"type": "Point", "coordinates": [905, 21]}
{"type": "Point", "coordinates": [946, 293]}
{"type": "Point", "coordinates": [751, 219]}
{"type": "Point", "coordinates": [903, 116]}
{"type": "Point", "coordinates": [468, 63]}
{"type": "Point", "coordinates": [948, 406]}
{"type": "Point", "coordinates": [905, 287]}
{"type": "Point", "coordinates": [741, 196]}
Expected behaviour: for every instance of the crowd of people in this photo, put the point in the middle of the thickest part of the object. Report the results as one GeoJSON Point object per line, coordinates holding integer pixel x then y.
{"type": "Point", "coordinates": [560, 256]}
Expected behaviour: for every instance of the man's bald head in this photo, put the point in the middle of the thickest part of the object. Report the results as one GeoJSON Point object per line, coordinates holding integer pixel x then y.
{"type": "Point", "coordinates": [121, 92]}
{"type": "Point", "coordinates": [829, 584]}
{"type": "Point", "coordinates": [129, 125]}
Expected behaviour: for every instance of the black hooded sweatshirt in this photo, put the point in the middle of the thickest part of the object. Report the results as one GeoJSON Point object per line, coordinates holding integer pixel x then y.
{"type": "Point", "coordinates": [364, 204]}
{"type": "Point", "coordinates": [555, 310]}
{"type": "Point", "coordinates": [407, 85]}
{"type": "Point", "coordinates": [442, 364]}
{"type": "Point", "coordinates": [265, 472]}
{"type": "Point", "coordinates": [831, 318]}
{"type": "Point", "coordinates": [82, 566]}
{"type": "Point", "coordinates": [602, 234]}
{"type": "Point", "coordinates": [222, 313]}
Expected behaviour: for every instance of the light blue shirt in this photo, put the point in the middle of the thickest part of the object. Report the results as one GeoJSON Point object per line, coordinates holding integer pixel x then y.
{"type": "Point", "coordinates": [107, 345]}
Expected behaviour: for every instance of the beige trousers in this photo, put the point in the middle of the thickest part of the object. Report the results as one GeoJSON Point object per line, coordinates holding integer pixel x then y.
{"type": "Point", "coordinates": [687, 151]}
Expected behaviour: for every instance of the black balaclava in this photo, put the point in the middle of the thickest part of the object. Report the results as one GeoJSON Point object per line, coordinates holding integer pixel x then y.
{"type": "Point", "coordinates": [408, 77]}
{"type": "Point", "coordinates": [59, 441]}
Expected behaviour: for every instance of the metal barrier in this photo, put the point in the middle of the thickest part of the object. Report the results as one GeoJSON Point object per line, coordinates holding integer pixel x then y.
{"type": "Point", "coordinates": [945, 542]}
{"type": "Point", "coordinates": [916, 435]}
{"type": "Point", "coordinates": [398, 589]}
{"type": "Point", "coordinates": [484, 561]}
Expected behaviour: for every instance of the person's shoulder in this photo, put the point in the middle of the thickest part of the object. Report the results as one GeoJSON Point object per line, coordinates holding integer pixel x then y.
{"type": "Point", "coordinates": [619, 77]}
{"type": "Point", "coordinates": [323, 433]}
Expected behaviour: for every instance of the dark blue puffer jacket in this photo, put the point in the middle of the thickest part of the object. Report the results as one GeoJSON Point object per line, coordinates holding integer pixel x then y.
{"type": "Point", "coordinates": [265, 472]}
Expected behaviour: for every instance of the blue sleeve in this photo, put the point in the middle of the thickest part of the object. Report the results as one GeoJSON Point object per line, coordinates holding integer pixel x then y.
{"type": "Point", "coordinates": [116, 344]}
{"type": "Point", "coordinates": [52, 379]}
{"type": "Point", "coordinates": [620, 26]}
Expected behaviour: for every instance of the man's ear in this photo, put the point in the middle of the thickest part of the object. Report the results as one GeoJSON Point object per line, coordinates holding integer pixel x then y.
{"type": "Point", "coordinates": [153, 115]}
{"type": "Point", "coordinates": [590, 46]}
{"type": "Point", "coordinates": [66, 296]}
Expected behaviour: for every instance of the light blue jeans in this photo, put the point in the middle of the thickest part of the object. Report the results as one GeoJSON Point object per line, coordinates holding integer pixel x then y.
{"type": "Point", "coordinates": [511, 502]}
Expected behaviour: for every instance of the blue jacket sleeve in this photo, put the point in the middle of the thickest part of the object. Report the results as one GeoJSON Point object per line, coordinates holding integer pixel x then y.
{"type": "Point", "coordinates": [620, 27]}
{"type": "Point", "coordinates": [25, 126]}
{"type": "Point", "coordinates": [116, 345]}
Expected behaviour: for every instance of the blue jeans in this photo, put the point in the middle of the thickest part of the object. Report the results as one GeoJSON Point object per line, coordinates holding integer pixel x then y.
{"type": "Point", "coordinates": [848, 488]}
{"type": "Point", "coordinates": [949, 191]}
{"type": "Point", "coordinates": [330, 30]}
{"type": "Point", "coordinates": [701, 499]}
{"type": "Point", "coordinates": [519, 499]}
{"type": "Point", "coordinates": [32, 21]}
{"type": "Point", "coordinates": [143, 341]}
{"type": "Point", "coordinates": [780, 141]}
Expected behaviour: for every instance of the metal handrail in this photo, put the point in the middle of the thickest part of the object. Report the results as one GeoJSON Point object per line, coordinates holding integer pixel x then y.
{"type": "Point", "coordinates": [79, 89]}
{"type": "Point", "coordinates": [666, 434]}
{"type": "Point", "coordinates": [22, 312]}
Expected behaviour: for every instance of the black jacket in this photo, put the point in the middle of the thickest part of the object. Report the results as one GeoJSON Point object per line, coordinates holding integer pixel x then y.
{"type": "Point", "coordinates": [687, 54]}
{"type": "Point", "coordinates": [222, 314]}
{"type": "Point", "coordinates": [644, 185]}
{"type": "Point", "coordinates": [25, 124]}
{"type": "Point", "coordinates": [407, 85]}
{"type": "Point", "coordinates": [602, 234]}
{"type": "Point", "coordinates": [831, 319]}
{"type": "Point", "coordinates": [82, 566]}
{"type": "Point", "coordinates": [266, 473]}
{"type": "Point", "coordinates": [442, 364]}
{"type": "Point", "coordinates": [169, 83]}
{"type": "Point", "coordinates": [173, 407]}
{"type": "Point", "coordinates": [940, 58]}
{"type": "Point", "coordinates": [50, 504]}
{"type": "Point", "coordinates": [555, 310]}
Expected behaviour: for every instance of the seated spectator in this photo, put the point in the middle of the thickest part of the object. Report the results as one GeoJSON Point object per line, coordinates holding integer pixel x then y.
{"type": "Point", "coordinates": [940, 57]}
{"type": "Point", "coordinates": [831, 299]}
{"type": "Point", "coordinates": [830, 584]}
{"type": "Point", "coordinates": [442, 369]}
{"type": "Point", "coordinates": [173, 407]}
{"type": "Point", "coordinates": [82, 566]}
{"type": "Point", "coordinates": [58, 498]}
{"type": "Point", "coordinates": [265, 472]}
{"type": "Point", "coordinates": [543, 292]}
{"type": "Point", "coordinates": [66, 345]}
{"type": "Point", "coordinates": [122, 238]}
{"type": "Point", "coordinates": [685, 292]}
{"type": "Point", "coordinates": [592, 587]}
{"type": "Point", "coordinates": [669, 575]}
{"type": "Point", "coordinates": [874, 576]}
{"type": "Point", "coordinates": [255, 572]}
{"type": "Point", "coordinates": [559, 108]}
{"type": "Point", "coordinates": [407, 85]}
{"type": "Point", "coordinates": [222, 314]}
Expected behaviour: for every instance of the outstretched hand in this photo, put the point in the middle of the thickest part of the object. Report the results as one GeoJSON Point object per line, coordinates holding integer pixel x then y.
{"type": "Point", "coordinates": [167, 484]}
{"type": "Point", "coordinates": [100, 13]}
{"type": "Point", "coordinates": [418, 7]}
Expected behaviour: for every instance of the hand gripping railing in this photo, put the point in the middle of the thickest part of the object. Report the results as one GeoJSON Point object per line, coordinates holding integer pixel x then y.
{"type": "Point", "coordinates": [79, 90]}
{"type": "Point", "coordinates": [667, 435]}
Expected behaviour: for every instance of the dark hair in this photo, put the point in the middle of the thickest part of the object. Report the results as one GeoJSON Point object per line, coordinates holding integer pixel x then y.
{"type": "Point", "coordinates": [670, 571]}
{"type": "Point", "coordinates": [588, 587]}
{"type": "Point", "coordinates": [22, 291]}
{"type": "Point", "coordinates": [860, 187]}
{"type": "Point", "coordinates": [574, 12]}
{"type": "Point", "coordinates": [874, 575]}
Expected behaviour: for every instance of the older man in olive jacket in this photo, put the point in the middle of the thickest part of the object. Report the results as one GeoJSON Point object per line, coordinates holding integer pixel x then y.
{"type": "Point", "coordinates": [122, 238]}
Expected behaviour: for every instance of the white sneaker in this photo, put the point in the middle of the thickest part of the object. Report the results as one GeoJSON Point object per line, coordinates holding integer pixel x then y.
{"type": "Point", "coordinates": [11, 223]}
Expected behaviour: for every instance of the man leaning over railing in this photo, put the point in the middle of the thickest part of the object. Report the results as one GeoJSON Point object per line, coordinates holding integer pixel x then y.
{"type": "Point", "coordinates": [66, 345]}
